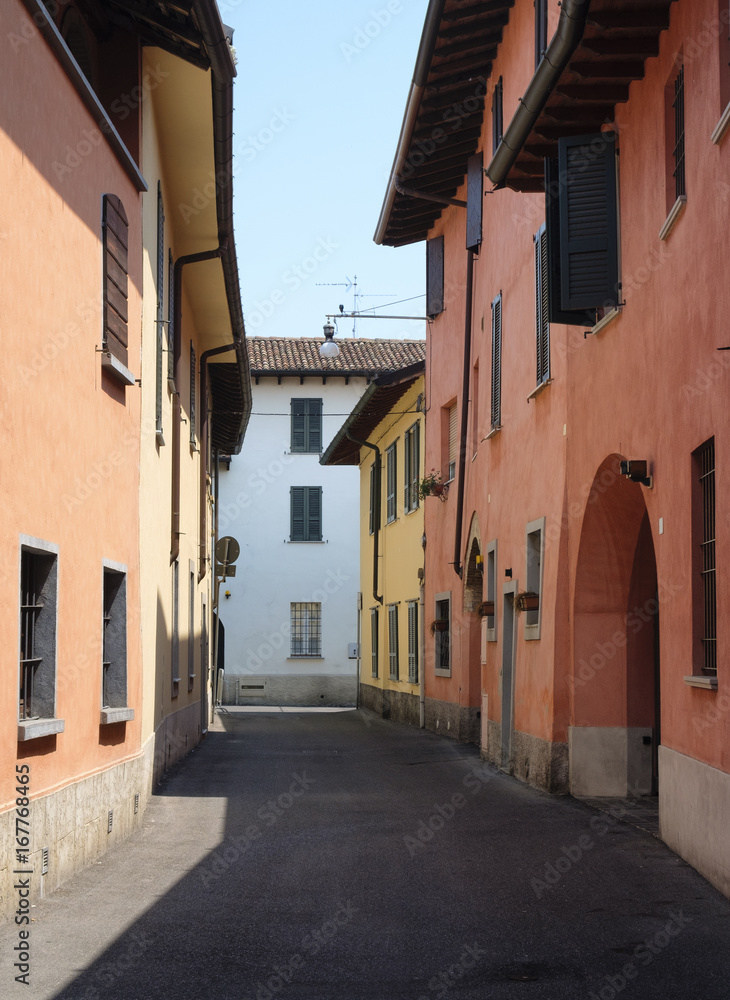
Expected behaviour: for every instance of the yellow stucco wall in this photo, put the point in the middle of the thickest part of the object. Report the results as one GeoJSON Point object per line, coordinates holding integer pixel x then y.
{"type": "Point", "coordinates": [400, 549]}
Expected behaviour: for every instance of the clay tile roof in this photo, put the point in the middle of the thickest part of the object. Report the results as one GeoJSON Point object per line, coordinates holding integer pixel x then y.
{"type": "Point", "coordinates": [299, 355]}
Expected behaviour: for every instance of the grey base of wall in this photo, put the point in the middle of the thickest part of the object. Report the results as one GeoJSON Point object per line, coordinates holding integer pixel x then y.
{"type": "Point", "coordinates": [460, 722]}
{"type": "Point", "coordinates": [537, 762]}
{"type": "Point", "coordinates": [398, 706]}
{"type": "Point", "coordinates": [289, 689]}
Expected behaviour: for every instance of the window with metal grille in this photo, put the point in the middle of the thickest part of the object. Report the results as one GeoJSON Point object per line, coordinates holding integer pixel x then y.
{"type": "Point", "coordinates": [160, 306]}
{"type": "Point", "coordinates": [306, 425]}
{"type": "Point", "coordinates": [413, 642]}
{"type": "Point", "coordinates": [391, 506]}
{"type": "Point", "coordinates": [193, 362]}
{"type": "Point", "coordinates": [411, 467]}
{"type": "Point", "coordinates": [541, 26]}
{"type": "Point", "coordinates": [374, 641]}
{"type": "Point", "coordinates": [496, 408]}
{"type": "Point", "coordinates": [542, 325]}
{"type": "Point", "coordinates": [114, 640]}
{"type": "Point", "coordinates": [306, 513]}
{"type": "Point", "coordinates": [678, 151]}
{"type": "Point", "coordinates": [38, 583]}
{"type": "Point", "coordinates": [393, 640]}
{"type": "Point", "coordinates": [306, 629]}
{"type": "Point", "coordinates": [452, 443]}
{"type": "Point", "coordinates": [497, 121]}
{"type": "Point", "coordinates": [442, 633]}
{"type": "Point", "coordinates": [705, 602]}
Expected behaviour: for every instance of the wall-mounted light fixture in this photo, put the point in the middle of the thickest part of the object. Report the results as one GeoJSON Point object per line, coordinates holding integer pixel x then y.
{"type": "Point", "coordinates": [508, 573]}
{"type": "Point", "coordinates": [329, 348]}
{"type": "Point", "coordinates": [637, 471]}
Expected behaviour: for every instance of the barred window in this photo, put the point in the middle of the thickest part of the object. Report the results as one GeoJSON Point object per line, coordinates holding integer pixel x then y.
{"type": "Point", "coordinates": [705, 597]}
{"type": "Point", "coordinates": [442, 634]}
{"type": "Point", "coordinates": [306, 629]}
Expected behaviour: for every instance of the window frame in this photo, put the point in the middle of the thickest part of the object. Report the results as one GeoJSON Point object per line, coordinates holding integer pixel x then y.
{"type": "Point", "coordinates": [411, 467]}
{"type": "Point", "coordinates": [413, 642]}
{"type": "Point", "coordinates": [495, 413]}
{"type": "Point", "coordinates": [296, 618]}
{"type": "Point", "coordinates": [114, 708]}
{"type": "Point", "coordinates": [175, 631]}
{"type": "Point", "coordinates": [440, 600]}
{"type": "Point", "coordinates": [374, 643]}
{"type": "Point", "coordinates": [704, 564]}
{"type": "Point", "coordinates": [307, 493]}
{"type": "Point", "coordinates": [534, 531]}
{"type": "Point", "coordinates": [160, 313]}
{"type": "Point", "coordinates": [393, 642]}
{"type": "Point", "coordinates": [491, 563]}
{"type": "Point", "coordinates": [542, 308]}
{"type": "Point", "coordinates": [391, 483]}
{"type": "Point", "coordinates": [192, 416]}
{"type": "Point", "coordinates": [311, 431]}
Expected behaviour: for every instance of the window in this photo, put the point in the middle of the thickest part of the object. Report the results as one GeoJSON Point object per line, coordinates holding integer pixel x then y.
{"type": "Point", "coordinates": [540, 29]}
{"type": "Point", "coordinates": [306, 425]}
{"type": "Point", "coordinates": [114, 645]}
{"type": "Point", "coordinates": [412, 467]}
{"type": "Point", "coordinates": [496, 409]}
{"type": "Point", "coordinates": [704, 585]}
{"type": "Point", "coordinates": [497, 122]}
{"type": "Point", "coordinates": [535, 548]}
{"type": "Point", "coordinates": [115, 234]}
{"type": "Point", "coordinates": [413, 642]}
{"type": "Point", "coordinates": [170, 321]}
{"type": "Point", "coordinates": [204, 651]}
{"type": "Point", "coordinates": [38, 602]}
{"type": "Point", "coordinates": [193, 363]}
{"type": "Point", "coordinates": [434, 276]}
{"type": "Point", "coordinates": [442, 635]}
{"type": "Point", "coordinates": [175, 651]}
{"type": "Point", "coordinates": [393, 640]}
{"type": "Point", "coordinates": [374, 497]}
{"type": "Point", "coordinates": [475, 409]}
{"type": "Point", "coordinates": [474, 199]}
{"type": "Point", "coordinates": [491, 573]}
{"type": "Point", "coordinates": [306, 513]}
{"type": "Point", "coordinates": [391, 506]}
{"type": "Point", "coordinates": [374, 640]}
{"type": "Point", "coordinates": [542, 325]}
{"type": "Point", "coordinates": [160, 308]}
{"type": "Point", "coordinates": [306, 629]}
{"type": "Point", "coordinates": [191, 629]}
{"type": "Point", "coordinates": [680, 190]}
{"type": "Point", "coordinates": [724, 52]}
{"type": "Point", "coordinates": [452, 442]}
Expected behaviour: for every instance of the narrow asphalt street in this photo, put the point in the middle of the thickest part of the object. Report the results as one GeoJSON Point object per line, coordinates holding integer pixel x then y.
{"type": "Point", "coordinates": [321, 856]}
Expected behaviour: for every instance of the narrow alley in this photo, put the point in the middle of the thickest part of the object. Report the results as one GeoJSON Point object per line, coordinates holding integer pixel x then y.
{"type": "Point", "coordinates": [321, 855]}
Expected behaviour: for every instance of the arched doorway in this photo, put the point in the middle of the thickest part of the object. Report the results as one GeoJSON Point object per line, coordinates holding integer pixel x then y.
{"type": "Point", "coordinates": [615, 682]}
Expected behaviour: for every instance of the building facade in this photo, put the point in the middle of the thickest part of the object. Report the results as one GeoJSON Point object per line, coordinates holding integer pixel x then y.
{"type": "Point", "coordinates": [384, 437]}
{"type": "Point", "coordinates": [576, 395]}
{"type": "Point", "coordinates": [290, 613]}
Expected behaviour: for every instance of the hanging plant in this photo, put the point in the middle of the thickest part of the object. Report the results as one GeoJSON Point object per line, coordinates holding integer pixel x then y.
{"type": "Point", "coordinates": [526, 600]}
{"type": "Point", "coordinates": [432, 486]}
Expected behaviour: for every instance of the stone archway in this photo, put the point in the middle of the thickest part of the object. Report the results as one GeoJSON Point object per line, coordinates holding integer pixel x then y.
{"type": "Point", "coordinates": [615, 687]}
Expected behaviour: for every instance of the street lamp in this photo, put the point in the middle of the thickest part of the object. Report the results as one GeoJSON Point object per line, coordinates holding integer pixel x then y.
{"type": "Point", "coordinates": [329, 348]}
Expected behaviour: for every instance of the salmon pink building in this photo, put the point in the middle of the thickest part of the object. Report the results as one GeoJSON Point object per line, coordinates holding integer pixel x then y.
{"type": "Point", "coordinates": [567, 168]}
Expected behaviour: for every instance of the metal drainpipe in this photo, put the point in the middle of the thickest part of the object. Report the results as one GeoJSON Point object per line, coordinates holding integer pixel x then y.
{"type": "Point", "coordinates": [204, 436]}
{"type": "Point", "coordinates": [376, 512]}
{"type": "Point", "coordinates": [464, 413]}
{"type": "Point", "coordinates": [180, 263]}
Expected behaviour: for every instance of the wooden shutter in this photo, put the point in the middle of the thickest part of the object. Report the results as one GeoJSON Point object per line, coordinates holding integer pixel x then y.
{"type": "Point", "coordinates": [391, 483]}
{"type": "Point", "coordinates": [413, 642]}
{"type": "Point", "coordinates": [314, 513]}
{"type": "Point", "coordinates": [542, 325]}
{"type": "Point", "coordinates": [297, 513]}
{"type": "Point", "coordinates": [314, 425]}
{"type": "Point", "coordinates": [556, 314]}
{"type": "Point", "coordinates": [434, 276]}
{"type": "Point", "coordinates": [497, 115]}
{"type": "Point", "coordinates": [115, 279]}
{"type": "Point", "coordinates": [298, 424]}
{"type": "Point", "coordinates": [407, 471]}
{"type": "Point", "coordinates": [474, 199]}
{"type": "Point", "coordinates": [372, 498]}
{"type": "Point", "coordinates": [496, 414]}
{"type": "Point", "coordinates": [160, 303]}
{"type": "Point", "coordinates": [374, 641]}
{"type": "Point", "coordinates": [306, 425]}
{"type": "Point", "coordinates": [588, 221]}
{"type": "Point", "coordinates": [192, 395]}
{"type": "Point", "coordinates": [452, 441]}
{"type": "Point", "coordinates": [393, 640]}
{"type": "Point", "coordinates": [412, 466]}
{"type": "Point", "coordinates": [170, 315]}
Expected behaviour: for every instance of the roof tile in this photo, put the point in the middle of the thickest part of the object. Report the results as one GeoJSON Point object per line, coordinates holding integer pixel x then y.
{"type": "Point", "coordinates": [280, 355]}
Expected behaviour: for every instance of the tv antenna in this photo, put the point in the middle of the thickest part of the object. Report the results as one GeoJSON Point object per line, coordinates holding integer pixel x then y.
{"type": "Point", "coordinates": [347, 284]}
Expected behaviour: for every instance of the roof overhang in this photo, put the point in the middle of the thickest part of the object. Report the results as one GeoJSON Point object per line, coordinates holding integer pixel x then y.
{"type": "Point", "coordinates": [373, 406]}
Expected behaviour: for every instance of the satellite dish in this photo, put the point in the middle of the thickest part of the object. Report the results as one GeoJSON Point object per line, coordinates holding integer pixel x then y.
{"type": "Point", "coordinates": [227, 550]}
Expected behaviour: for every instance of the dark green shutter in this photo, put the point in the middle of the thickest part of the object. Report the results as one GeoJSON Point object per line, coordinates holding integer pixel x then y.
{"type": "Point", "coordinates": [297, 514]}
{"type": "Point", "coordinates": [588, 221]}
{"type": "Point", "coordinates": [407, 472]}
{"type": "Point", "coordinates": [434, 276]}
{"type": "Point", "coordinates": [496, 414]}
{"type": "Point", "coordinates": [314, 428]}
{"type": "Point", "coordinates": [393, 641]}
{"type": "Point", "coordinates": [306, 513]}
{"type": "Point", "coordinates": [552, 229]}
{"type": "Point", "coordinates": [306, 425]}
{"type": "Point", "coordinates": [413, 642]}
{"type": "Point", "coordinates": [474, 199]}
{"type": "Point", "coordinates": [314, 513]}
{"type": "Point", "coordinates": [415, 464]}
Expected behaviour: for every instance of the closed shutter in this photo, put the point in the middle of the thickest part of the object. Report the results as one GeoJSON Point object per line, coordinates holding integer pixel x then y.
{"type": "Point", "coordinates": [474, 199]}
{"type": "Point", "coordinates": [193, 361]}
{"type": "Point", "coordinates": [542, 325]}
{"type": "Point", "coordinates": [314, 425]}
{"type": "Point", "coordinates": [391, 478]}
{"type": "Point", "coordinates": [306, 513]}
{"type": "Point", "coordinates": [407, 472]}
{"type": "Point", "coordinates": [413, 470]}
{"type": "Point", "coordinates": [170, 315]}
{"type": "Point", "coordinates": [393, 641]}
{"type": "Point", "coordinates": [497, 115]}
{"type": "Point", "coordinates": [372, 498]}
{"type": "Point", "coordinates": [115, 279]}
{"type": "Point", "coordinates": [496, 414]}
{"type": "Point", "coordinates": [306, 425]}
{"type": "Point", "coordinates": [374, 641]}
{"type": "Point", "coordinates": [297, 514]}
{"type": "Point", "coordinates": [314, 513]}
{"type": "Point", "coordinates": [452, 441]}
{"type": "Point", "coordinates": [434, 276]}
{"type": "Point", "coordinates": [298, 424]}
{"type": "Point", "coordinates": [160, 303]}
{"type": "Point", "coordinates": [588, 221]}
{"type": "Point", "coordinates": [413, 642]}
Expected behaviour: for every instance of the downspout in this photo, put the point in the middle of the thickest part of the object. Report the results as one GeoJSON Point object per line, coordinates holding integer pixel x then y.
{"type": "Point", "coordinates": [458, 569]}
{"type": "Point", "coordinates": [567, 37]}
{"type": "Point", "coordinates": [376, 511]}
{"type": "Point", "coordinates": [180, 263]}
{"type": "Point", "coordinates": [204, 453]}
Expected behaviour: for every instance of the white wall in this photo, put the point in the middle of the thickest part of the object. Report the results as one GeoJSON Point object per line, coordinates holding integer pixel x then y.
{"type": "Point", "coordinates": [273, 571]}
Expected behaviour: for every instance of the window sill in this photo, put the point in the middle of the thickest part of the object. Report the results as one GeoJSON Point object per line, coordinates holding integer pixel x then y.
{"type": "Point", "coordinates": [160, 438]}
{"type": "Point", "coordinates": [304, 657]}
{"type": "Point", "coordinates": [677, 209]}
{"type": "Point", "coordinates": [494, 431]}
{"type": "Point", "coordinates": [306, 541]}
{"type": "Point", "coordinates": [35, 729]}
{"type": "Point", "coordinates": [538, 389]}
{"type": "Point", "coordinates": [442, 673]}
{"type": "Point", "coordinates": [413, 510]}
{"type": "Point", "coordinates": [718, 133]}
{"type": "Point", "coordinates": [532, 633]}
{"type": "Point", "coordinates": [701, 681]}
{"type": "Point", "coordinates": [116, 370]}
{"type": "Point", "coordinates": [605, 321]}
{"type": "Point", "coordinates": [111, 715]}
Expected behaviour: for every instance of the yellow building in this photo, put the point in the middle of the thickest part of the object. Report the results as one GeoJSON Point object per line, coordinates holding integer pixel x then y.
{"type": "Point", "coordinates": [384, 436]}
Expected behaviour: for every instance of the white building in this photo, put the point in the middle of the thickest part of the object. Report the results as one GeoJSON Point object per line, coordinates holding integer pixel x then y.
{"type": "Point", "coordinates": [290, 613]}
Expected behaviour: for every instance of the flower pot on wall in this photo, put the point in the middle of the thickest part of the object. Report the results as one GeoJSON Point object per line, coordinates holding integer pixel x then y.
{"type": "Point", "coordinates": [486, 608]}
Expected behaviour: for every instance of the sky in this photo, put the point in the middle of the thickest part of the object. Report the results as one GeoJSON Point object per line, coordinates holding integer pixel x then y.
{"type": "Point", "coordinates": [319, 101]}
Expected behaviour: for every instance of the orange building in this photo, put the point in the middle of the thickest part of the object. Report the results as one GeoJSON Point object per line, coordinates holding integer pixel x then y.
{"type": "Point", "coordinates": [568, 170]}
{"type": "Point", "coordinates": [84, 118]}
